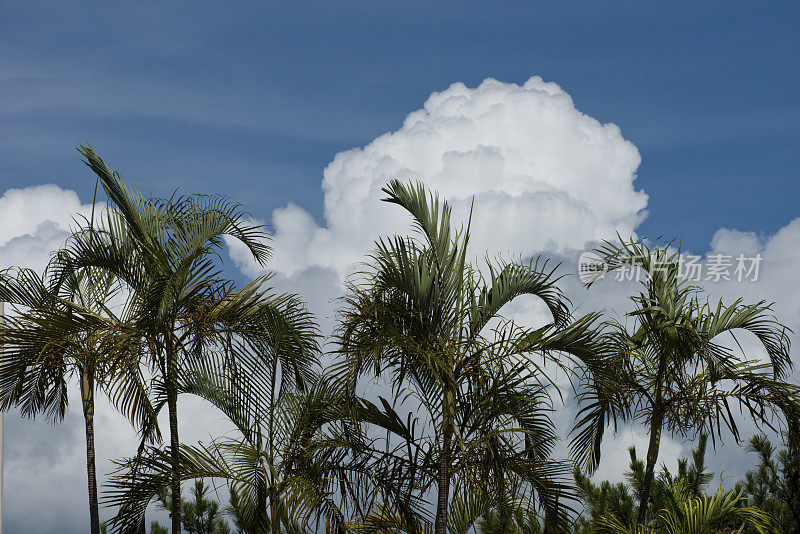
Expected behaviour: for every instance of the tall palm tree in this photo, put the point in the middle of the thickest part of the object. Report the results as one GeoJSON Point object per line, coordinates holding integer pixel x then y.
{"type": "Point", "coordinates": [471, 398]}
{"type": "Point", "coordinates": [167, 254]}
{"type": "Point", "coordinates": [62, 331]}
{"type": "Point", "coordinates": [668, 370]}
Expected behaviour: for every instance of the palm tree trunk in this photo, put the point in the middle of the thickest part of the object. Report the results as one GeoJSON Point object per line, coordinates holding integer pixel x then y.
{"type": "Point", "coordinates": [443, 499]}
{"type": "Point", "coordinates": [275, 523]}
{"type": "Point", "coordinates": [87, 396]}
{"type": "Point", "coordinates": [172, 405]}
{"type": "Point", "coordinates": [261, 508]}
{"type": "Point", "coordinates": [652, 456]}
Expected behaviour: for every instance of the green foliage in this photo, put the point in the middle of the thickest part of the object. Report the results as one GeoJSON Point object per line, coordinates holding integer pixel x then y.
{"type": "Point", "coordinates": [724, 512]}
{"type": "Point", "coordinates": [424, 319]}
{"type": "Point", "coordinates": [678, 502]}
{"type": "Point", "coordinates": [462, 442]}
{"type": "Point", "coordinates": [666, 368]}
{"type": "Point", "coordinates": [199, 515]}
{"type": "Point", "coordinates": [604, 499]}
{"type": "Point", "coordinates": [766, 487]}
{"type": "Point", "coordinates": [62, 330]}
{"type": "Point", "coordinates": [694, 476]}
{"type": "Point", "coordinates": [276, 468]}
{"type": "Point", "coordinates": [517, 521]}
{"type": "Point", "coordinates": [621, 500]}
{"type": "Point", "coordinates": [187, 319]}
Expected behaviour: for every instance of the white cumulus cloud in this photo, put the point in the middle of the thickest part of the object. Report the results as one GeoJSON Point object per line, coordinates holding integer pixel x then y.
{"type": "Point", "coordinates": [544, 176]}
{"type": "Point", "coordinates": [35, 221]}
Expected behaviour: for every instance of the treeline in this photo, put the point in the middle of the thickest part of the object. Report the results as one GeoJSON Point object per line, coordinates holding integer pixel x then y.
{"type": "Point", "coordinates": [435, 415]}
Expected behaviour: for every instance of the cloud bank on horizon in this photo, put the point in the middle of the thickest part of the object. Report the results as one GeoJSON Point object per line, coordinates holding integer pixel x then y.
{"type": "Point", "coordinates": [545, 178]}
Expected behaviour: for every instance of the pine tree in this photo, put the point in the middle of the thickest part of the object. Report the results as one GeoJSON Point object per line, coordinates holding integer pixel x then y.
{"type": "Point", "coordinates": [768, 486]}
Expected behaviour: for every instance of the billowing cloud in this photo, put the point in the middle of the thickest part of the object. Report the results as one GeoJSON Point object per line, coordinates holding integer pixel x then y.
{"type": "Point", "coordinates": [34, 222]}
{"type": "Point", "coordinates": [770, 267]}
{"type": "Point", "coordinates": [545, 178]}
{"type": "Point", "coordinates": [543, 175]}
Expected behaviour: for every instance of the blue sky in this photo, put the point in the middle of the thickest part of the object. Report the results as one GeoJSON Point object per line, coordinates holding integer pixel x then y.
{"type": "Point", "coordinates": [254, 100]}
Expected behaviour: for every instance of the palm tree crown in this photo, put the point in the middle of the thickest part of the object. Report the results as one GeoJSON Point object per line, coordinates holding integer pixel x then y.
{"type": "Point", "coordinates": [669, 368]}
{"type": "Point", "coordinates": [65, 328]}
{"type": "Point", "coordinates": [166, 253]}
{"type": "Point", "coordinates": [431, 322]}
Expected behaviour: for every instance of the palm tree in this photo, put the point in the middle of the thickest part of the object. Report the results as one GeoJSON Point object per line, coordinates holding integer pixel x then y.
{"type": "Point", "coordinates": [471, 401]}
{"type": "Point", "coordinates": [167, 255]}
{"type": "Point", "coordinates": [668, 370]}
{"type": "Point", "coordinates": [64, 329]}
{"type": "Point", "coordinates": [272, 469]}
